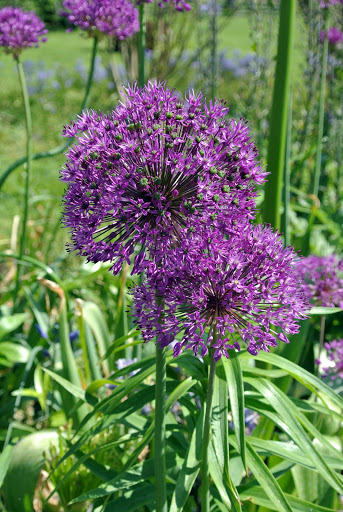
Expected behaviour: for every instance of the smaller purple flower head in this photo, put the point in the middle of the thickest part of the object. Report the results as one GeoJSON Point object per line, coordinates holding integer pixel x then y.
{"type": "Point", "coordinates": [116, 18]}
{"type": "Point", "coordinates": [334, 36]}
{"type": "Point", "coordinates": [240, 289]}
{"type": "Point", "coordinates": [20, 29]}
{"type": "Point", "coordinates": [333, 366]}
{"type": "Point", "coordinates": [158, 169]}
{"type": "Point", "coordinates": [322, 280]}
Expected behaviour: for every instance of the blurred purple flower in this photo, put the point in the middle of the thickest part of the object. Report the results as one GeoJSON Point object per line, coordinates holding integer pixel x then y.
{"type": "Point", "coordinates": [322, 280]}
{"type": "Point", "coordinates": [334, 35]}
{"type": "Point", "coordinates": [20, 29]}
{"type": "Point", "coordinates": [123, 363]}
{"type": "Point", "coordinates": [328, 3]}
{"type": "Point", "coordinates": [117, 18]}
{"type": "Point", "coordinates": [41, 332]}
{"type": "Point", "coordinates": [333, 367]}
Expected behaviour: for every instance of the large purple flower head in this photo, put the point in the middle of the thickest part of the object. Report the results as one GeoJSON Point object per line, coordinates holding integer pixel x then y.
{"type": "Point", "coordinates": [117, 18]}
{"type": "Point", "coordinates": [333, 366]}
{"type": "Point", "coordinates": [238, 289]}
{"type": "Point", "coordinates": [20, 29]}
{"type": "Point", "coordinates": [322, 280]}
{"type": "Point", "coordinates": [156, 169]}
{"type": "Point", "coordinates": [334, 35]}
{"type": "Point", "coordinates": [180, 5]}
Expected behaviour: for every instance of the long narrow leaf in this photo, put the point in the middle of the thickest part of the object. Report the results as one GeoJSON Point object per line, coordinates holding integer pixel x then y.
{"type": "Point", "coordinates": [284, 405]}
{"type": "Point", "coordinates": [234, 378]}
{"type": "Point", "coordinates": [190, 468]}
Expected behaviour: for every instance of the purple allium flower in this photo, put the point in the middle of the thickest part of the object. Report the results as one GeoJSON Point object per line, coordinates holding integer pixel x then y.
{"type": "Point", "coordinates": [117, 18]}
{"type": "Point", "coordinates": [334, 35]}
{"type": "Point", "coordinates": [322, 280]}
{"type": "Point", "coordinates": [154, 171]}
{"type": "Point", "coordinates": [20, 29]}
{"type": "Point", "coordinates": [239, 288]}
{"type": "Point", "coordinates": [334, 366]}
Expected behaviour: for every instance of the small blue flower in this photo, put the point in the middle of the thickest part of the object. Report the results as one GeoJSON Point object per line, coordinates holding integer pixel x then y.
{"type": "Point", "coordinates": [41, 333]}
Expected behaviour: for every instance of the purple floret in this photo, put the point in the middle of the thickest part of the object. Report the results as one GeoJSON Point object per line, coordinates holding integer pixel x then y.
{"type": "Point", "coordinates": [20, 29]}
{"type": "Point", "coordinates": [116, 18]}
{"type": "Point", "coordinates": [322, 280]}
{"type": "Point", "coordinates": [334, 367]}
{"type": "Point", "coordinates": [334, 35]}
{"type": "Point", "coordinates": [145, 177]}
{"type": "Point", "coordinates": [239, 289]}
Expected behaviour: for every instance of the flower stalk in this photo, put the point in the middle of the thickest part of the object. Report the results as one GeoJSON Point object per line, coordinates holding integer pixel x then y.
{"type": "Point", "coordinates": [141, 46]}
{"type": "Point", "coordinates": [205, 474]}
{"type": "Point", "coordinates": [159, 446]}
{"type": "Point", "coordinates": [28, 127]}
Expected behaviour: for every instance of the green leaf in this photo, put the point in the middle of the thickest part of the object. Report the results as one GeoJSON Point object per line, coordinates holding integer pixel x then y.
{"type": "Point", "coordinates": [284, 406]}
{"type": "Point", "coordinates": [95, 319]}
{"type": "Point", "coordinates": [11, 323]}
{"type": "Point", "coordinates": [289, 451]}
{"type": "Point", "coordinates": [324, 311]}
{"type": "Point", "coordinates": [133, 499]}
{"type": "Point", "coordinates": [139, 473]}
{"type": "Point", "coordinates": [5, 459]}
{"type": "Point", "coordinates": [259, 497]}
{"type": "Point", "coordinates": [116, 344]}
{"type": "Point", "coordinates": [304, 377]}
{"type": "Point", "coordinates": [234, 378]}
{"type": "Point", "coordinates": [266, 480]}
{"type": "Point", "coordinates": [190, 468]}
{"type": "Point", "coordinates": [13, 353]}
{"type": "Point", "coordinates": [71, 388]}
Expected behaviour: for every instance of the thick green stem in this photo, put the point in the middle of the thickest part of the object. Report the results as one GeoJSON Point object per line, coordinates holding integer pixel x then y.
{"type": "Point", "coordinates": [159, 446]}
{"type": "Point", "coordinates": [285, 227]}
{"type": "Point", "coordinates": [62, 147]}
{"type": "Point", "coordinates": [214, 31]}
{"type": "Point", "coordinates": [28, 126]}
{"type": "Point", "coordinates": [205, 474]}
{"type": "Point", "coordinates": [317, 169]}
{"type": "Point", "coordinates": [279, 115]}
{"type": "Point", "coordinates": [141, 47]}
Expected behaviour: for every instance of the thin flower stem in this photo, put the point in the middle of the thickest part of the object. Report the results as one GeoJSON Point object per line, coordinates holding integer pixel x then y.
{"type": "Point", "coordinates": [28, 126]}
{"type": "Point", "coordinates": [159, 446]}
{"type": "Point", "coordinates": [62, 147]}
{"type": "Point", "coordinates": [321, 336]}
{"type": "Point", "coordinates": [141, 46]}
{"type": "Point", "coordinates": [205, 474]}
{"type": "Point", "coordinates": [214, 31]}
{"type": "Point", "coordinates": [317, 170]}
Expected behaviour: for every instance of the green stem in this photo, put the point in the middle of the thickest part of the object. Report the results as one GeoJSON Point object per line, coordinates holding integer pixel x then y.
{"type": "Point", "coordinates": [159, 446]}
{"type": "Point", "coordinates": [205, 474]}
{"type": "Point", "coordinates": [64, 146]}
{"type": "Point", "coordinates": [141, 47]}
{"type": "Point", "coordinates": [285, 227]}
{"type": "Point", "coordinates": [214, 31]}
{"type": "Point", "coordinates": [279, 115]}
{"type": "Point", "coordinates": [28, 126]}
{"type": "Point", "coordinates": [321, 107]}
